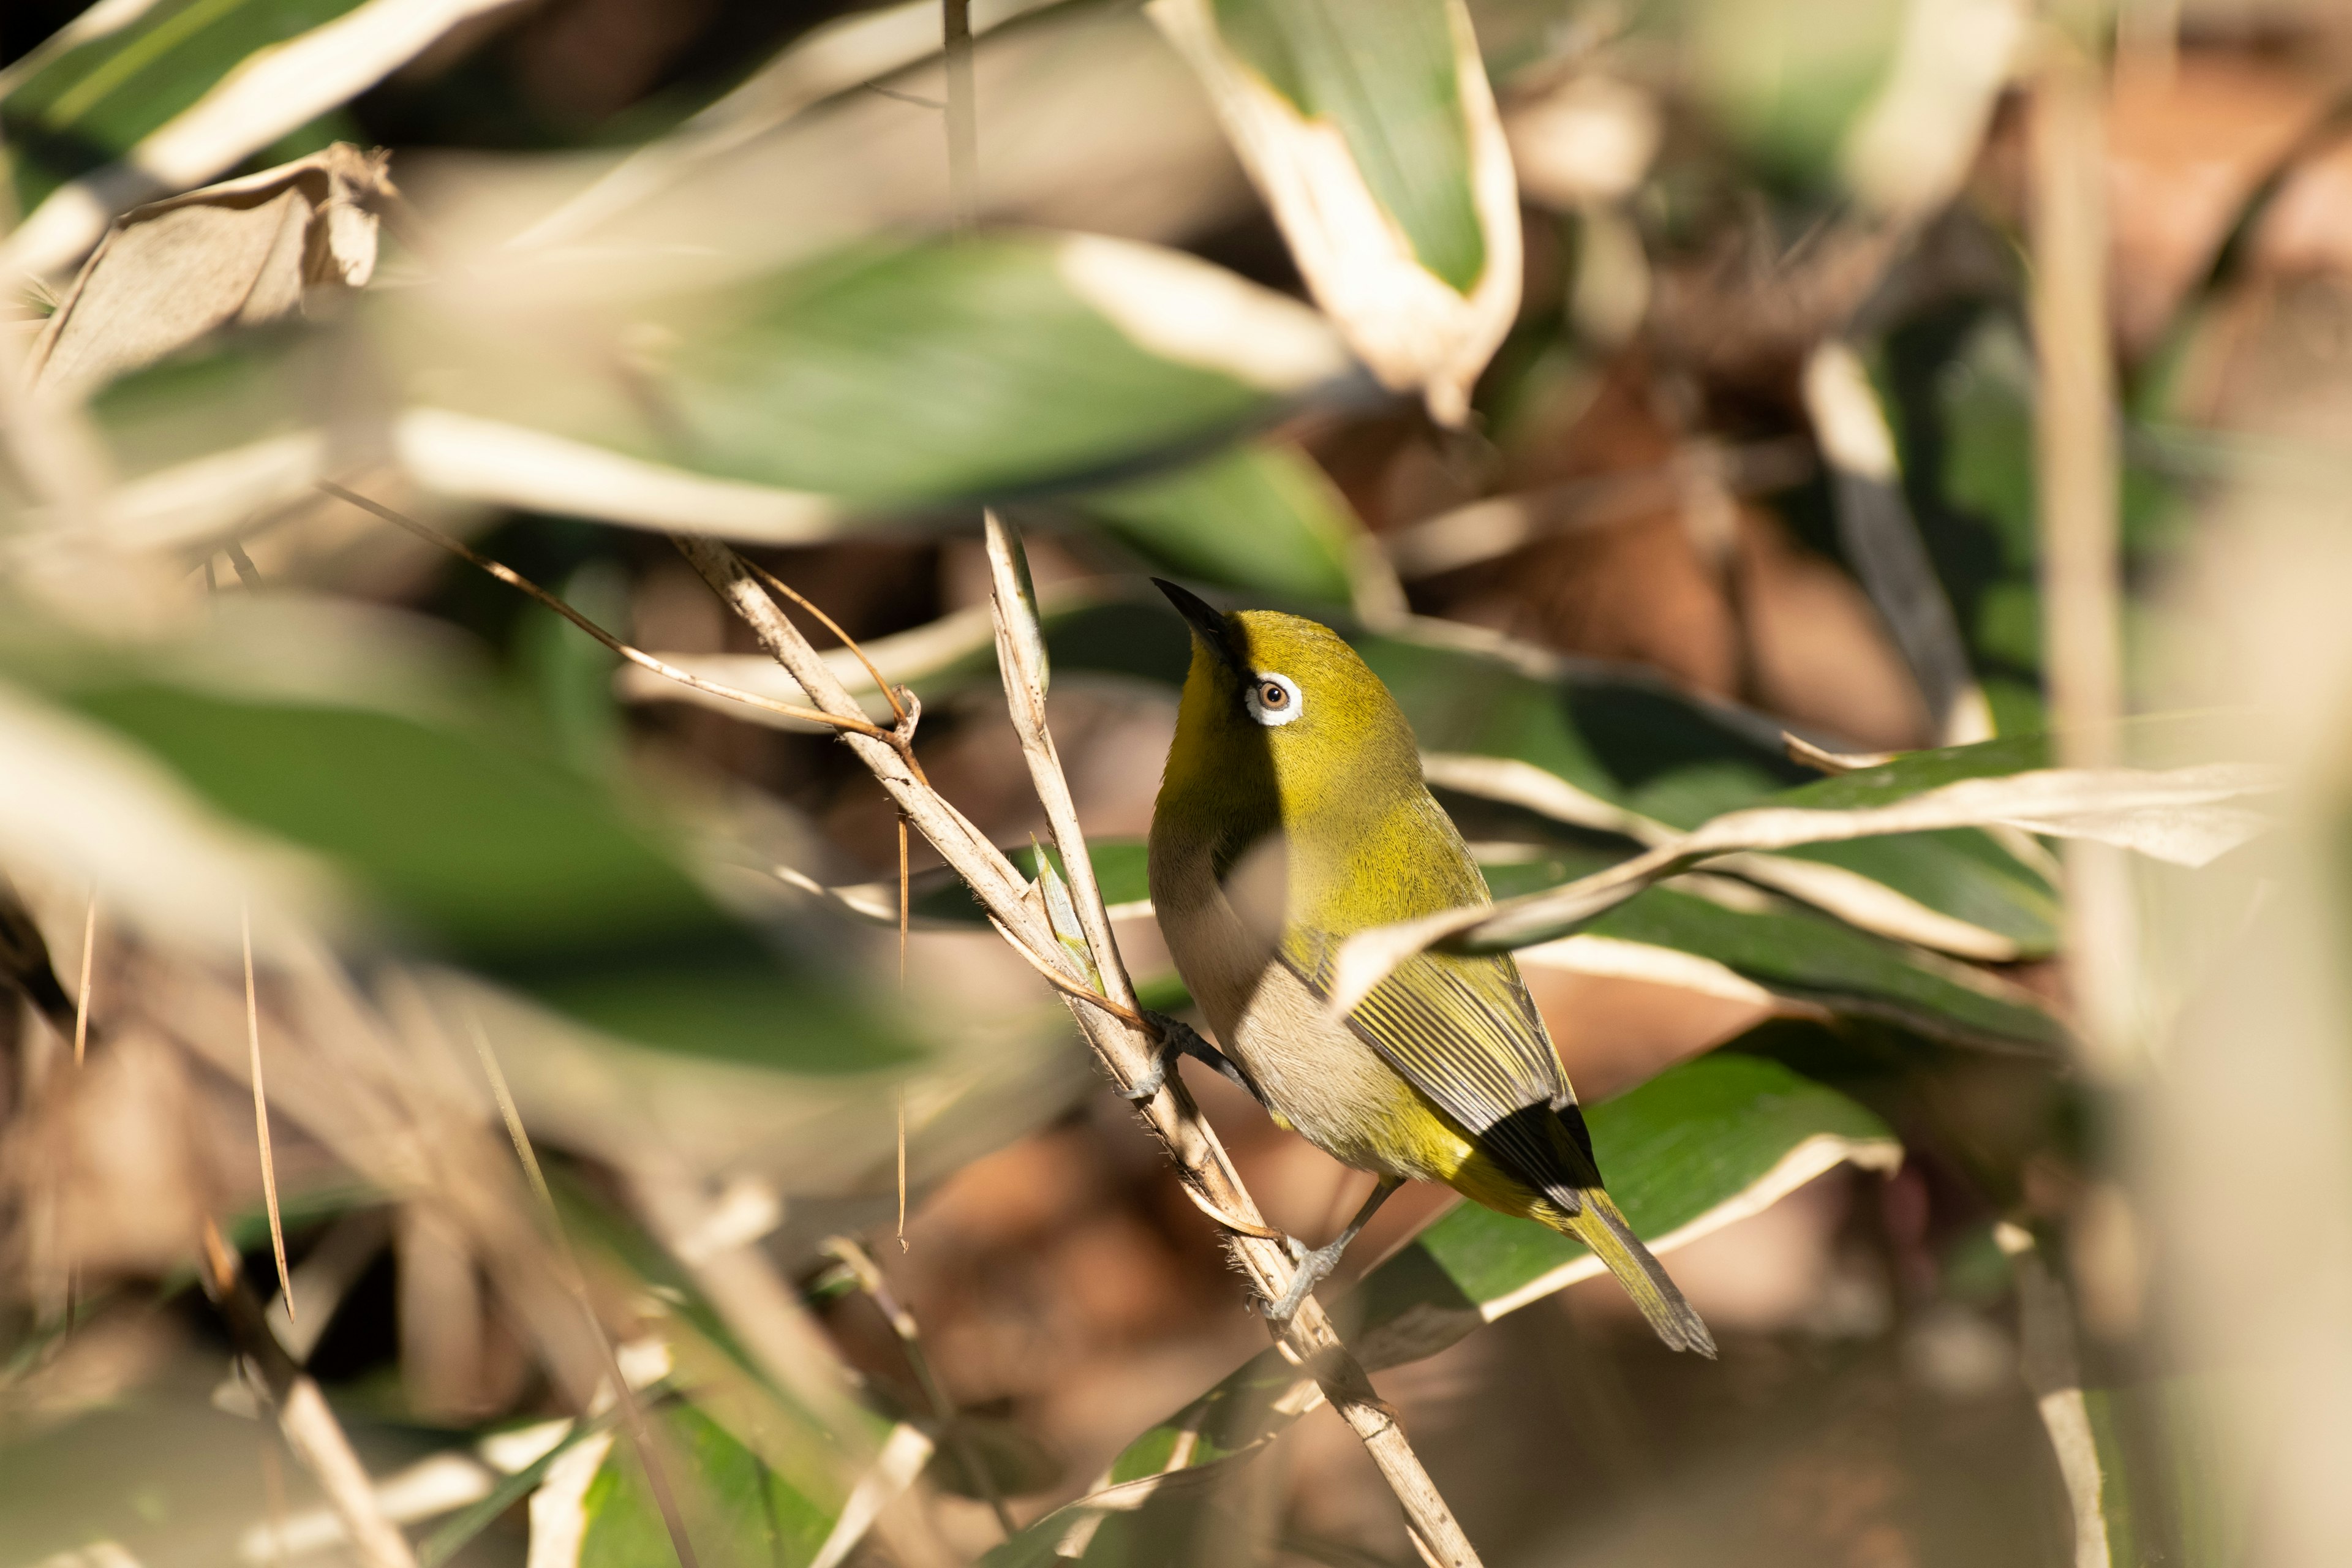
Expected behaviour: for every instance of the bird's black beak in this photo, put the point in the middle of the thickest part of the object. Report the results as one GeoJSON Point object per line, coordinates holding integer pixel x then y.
{"type": "Point", "coordinates": [1212, 627]}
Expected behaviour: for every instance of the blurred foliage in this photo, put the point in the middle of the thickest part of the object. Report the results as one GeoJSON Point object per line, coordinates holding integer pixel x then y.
{"type": "Point", "coordinates": [690, 269]}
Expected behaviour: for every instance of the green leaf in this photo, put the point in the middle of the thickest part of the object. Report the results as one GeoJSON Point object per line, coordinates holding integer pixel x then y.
{"type": "Point", "coordinates": [908, 375]}
{"type": "Point", "coordinates": [1694, 1149]}
{"type": "Point", "coordinates": [1804, 958]}
{"type": "Point", "coordinates": [1372, 132]}
{"type": "Point", "coordinates": [1385, 77]}
{"type": "Point", "coordinates": [471, 840]}
{"type": "Point", "coordinates": [885, 377]}
{"type": "Point", "coordinates": [1261, 517]}
{"type": "Point", "coordinates": [753, 1513]}
{"type": "Point", "coordinates": [86, 106]}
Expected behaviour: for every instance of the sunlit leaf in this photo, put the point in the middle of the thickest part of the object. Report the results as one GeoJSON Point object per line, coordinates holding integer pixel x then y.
{"type": "Point", "coordinates": [1372, 132]}
{"type": "Point", "coordinates": [470, 840]}
{"type": "Point", "coordinates": [178, 94]}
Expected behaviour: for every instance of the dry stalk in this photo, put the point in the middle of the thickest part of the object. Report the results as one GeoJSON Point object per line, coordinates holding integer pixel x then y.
{"type": "Point", "coordinates": [1128, 1051]}
{"type": "Point", "coordinates": [311, 1427]}
{"type": "Point", "coordinates": [2081, 519]}
{"type": "Point", "coordinates": [868, 1275]}
{"type": "Point", "coordinates": [261, 1122]}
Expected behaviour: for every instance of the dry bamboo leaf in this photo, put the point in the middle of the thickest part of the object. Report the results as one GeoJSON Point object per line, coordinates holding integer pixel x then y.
{"type": "Point", "coordinates": [243, 253]}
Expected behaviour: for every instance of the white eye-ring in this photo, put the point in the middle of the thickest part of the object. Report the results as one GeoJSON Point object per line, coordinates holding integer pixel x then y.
{"type": "Point", "coordinates": [1273, 699]}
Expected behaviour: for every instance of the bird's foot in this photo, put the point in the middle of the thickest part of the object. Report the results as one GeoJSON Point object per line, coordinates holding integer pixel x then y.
{"type": "Point", "coordinates": [1163, 1058]}
{"type": "Point", "coordinates": [1314, 1264]}
{"type": "Point", "coordinates": [1178, 1038]}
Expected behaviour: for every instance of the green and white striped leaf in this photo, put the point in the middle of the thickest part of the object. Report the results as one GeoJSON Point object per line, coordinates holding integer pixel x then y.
{"type": "Point", "coordinates": [1589, 748]}
{"type": "Point", "coordinates": [780, 409]}
{"type": "Point", "coordinates": [2187, 815]}
{"type": "Point", "coordinates": [139, 101]}
{"type": "Point", "coordinates": [447, 823]}
{"type": "Point", "coordinates": [1372, 134]}
{"type": "Point", "coordinates": [1706, 934]}
{"type": "Point", "coordinates": [1696, 1148]}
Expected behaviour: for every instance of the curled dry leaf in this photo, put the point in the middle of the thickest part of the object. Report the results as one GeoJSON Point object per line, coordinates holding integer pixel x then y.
{"type": "Point", "coordinates": [1379, 148]}
{"type": "Point", "coordinates": [244, 252]}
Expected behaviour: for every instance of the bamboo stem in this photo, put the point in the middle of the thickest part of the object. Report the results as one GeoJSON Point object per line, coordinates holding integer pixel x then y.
{"type": "Point", "coordinates": [2075, 466]}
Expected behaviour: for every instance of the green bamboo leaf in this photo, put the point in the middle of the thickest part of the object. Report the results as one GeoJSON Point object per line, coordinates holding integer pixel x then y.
{"type": "Point", "coordinates": [1571, 748]}
{"type": "Point", "coordinates": [1372, 134]}
{"type": "Point", "coordinates": [781, 408]}
{"type": "Point", "coordinates": [1262, 519]}
{"type": "Point", "coordinates": [1702, 1145]}
{"type": "Point", "coordinates": [177, 92]}
{"type": "Point", "coordinates": [463, 833]}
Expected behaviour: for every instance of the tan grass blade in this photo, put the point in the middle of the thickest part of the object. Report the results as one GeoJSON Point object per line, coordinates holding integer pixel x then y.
{"type": "Point", "coordinates": [261, 1118]}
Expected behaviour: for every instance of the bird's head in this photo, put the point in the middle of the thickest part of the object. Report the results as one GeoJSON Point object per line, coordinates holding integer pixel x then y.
{"type": "Point", "coordinates": [1281, 699]}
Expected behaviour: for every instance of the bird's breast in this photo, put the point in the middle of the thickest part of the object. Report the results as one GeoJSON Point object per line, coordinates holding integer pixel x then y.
{"type": "Point", "coordinates": [1314, 1071]}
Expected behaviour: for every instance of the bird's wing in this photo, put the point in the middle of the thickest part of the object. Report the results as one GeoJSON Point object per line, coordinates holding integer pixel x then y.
{"type": "Point", "coordinates": [1465, 1032]}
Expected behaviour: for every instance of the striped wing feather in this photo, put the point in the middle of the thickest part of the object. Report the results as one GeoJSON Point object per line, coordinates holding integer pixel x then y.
{"type": "Point", "coordinates": [1465, 1032]}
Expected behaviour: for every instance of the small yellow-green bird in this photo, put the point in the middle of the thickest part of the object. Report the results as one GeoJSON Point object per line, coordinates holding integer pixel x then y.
{"type": "Point", "coordinates": [1293, 814]}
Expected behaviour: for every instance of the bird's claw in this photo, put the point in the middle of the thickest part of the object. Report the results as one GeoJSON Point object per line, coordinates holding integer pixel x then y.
{"type": "Point", "coordinates": [1314, 1263]}
{"type": "Point", "coordinates": [1152, 1077]}
{"type": "Point", "coordinates": [1177, 1038]}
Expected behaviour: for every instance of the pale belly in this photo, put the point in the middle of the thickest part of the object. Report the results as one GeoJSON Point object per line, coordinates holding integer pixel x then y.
{"type": "Point", "coordinates": [1314, 1073]}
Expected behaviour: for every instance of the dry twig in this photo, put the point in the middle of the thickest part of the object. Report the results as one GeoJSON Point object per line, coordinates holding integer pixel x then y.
{"type": "Point", "coordinates": [262, 1121]}
{"type": "Point", "coordinates": [1128, 1050]}
{"type": "Point", "coordinates": [311, 1427]}
{"type": "Point", "coordinates": [868, 1275]}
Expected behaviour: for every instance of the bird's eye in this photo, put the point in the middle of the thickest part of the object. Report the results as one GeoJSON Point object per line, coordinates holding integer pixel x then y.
{"type": "Point", "coordinates": [1273, 699]}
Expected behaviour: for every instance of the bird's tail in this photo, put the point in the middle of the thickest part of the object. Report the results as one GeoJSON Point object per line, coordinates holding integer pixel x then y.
{"type": "Point", "coordinates": [1601, 1225]}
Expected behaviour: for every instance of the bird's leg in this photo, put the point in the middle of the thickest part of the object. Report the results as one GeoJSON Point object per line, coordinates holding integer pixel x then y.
{"type": "Point", "coordinates": [1181, 1039]}
{"type": "Point", "coordinates": [1313, 1266]}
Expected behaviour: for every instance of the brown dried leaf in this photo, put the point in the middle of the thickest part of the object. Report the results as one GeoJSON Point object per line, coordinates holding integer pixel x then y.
{"type": "Point", "coordinates": [243, 252]}
{"type": "Point", "coordinates": [2185, 152]}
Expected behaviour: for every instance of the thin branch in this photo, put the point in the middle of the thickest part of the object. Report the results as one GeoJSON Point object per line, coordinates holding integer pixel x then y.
{"type": "Point", "coordinates": [261, 1117]}
{"type": "Point", "coordinates": [870, 1280]}
{"type": "Point", "coordinates": [638, 657]}
{"type": "Point", "coordinates": [246, 572]}
{"type": "Point", "coordinates": [311, 1427]}
{"type": "Point", "coordinates": [1126, 1050]}
{"type": "Point", "coordinates": [1068, 986]}
{"type": "Point", "coordinates": [962, 117]}
{"type": "Point", "coordinates": [2052, 1373]}
{"type": "Point", "coordinates": [81, 992]}
{"type": "Point", "coordinates": [507, 1111]}
{"type": "Point", "coordinates": [632, 1413]}
{"type": "Point", "coordinates": [777, 584]}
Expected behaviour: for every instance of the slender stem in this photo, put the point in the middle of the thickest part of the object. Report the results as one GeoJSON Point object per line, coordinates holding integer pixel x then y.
{"type": "Point", "coordinates": [261, 1118]}
{"type": "Point", "coordinates": [964, 129]}
{"type": "Point", "coordinates": [311, 1427]}
{"type": "Point", "coordinates": [1128, 1051]}
{"type": "Point", "coordinates": [638, 657]}
{"type": "Point", "coordinates": [81, 992]}
{"type": "Point", "coordinates": [868, 1275]}
{"type": "Point", "coordinates": [2075, 457]}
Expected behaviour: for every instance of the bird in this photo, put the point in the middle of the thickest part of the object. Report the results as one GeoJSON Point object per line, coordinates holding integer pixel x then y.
{"type": "Point", "coordinates": [1293, 813]}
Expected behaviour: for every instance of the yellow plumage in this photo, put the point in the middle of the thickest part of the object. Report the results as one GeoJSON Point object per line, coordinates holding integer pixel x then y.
{"type": "Point", "coordinates": [1293, 814]}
